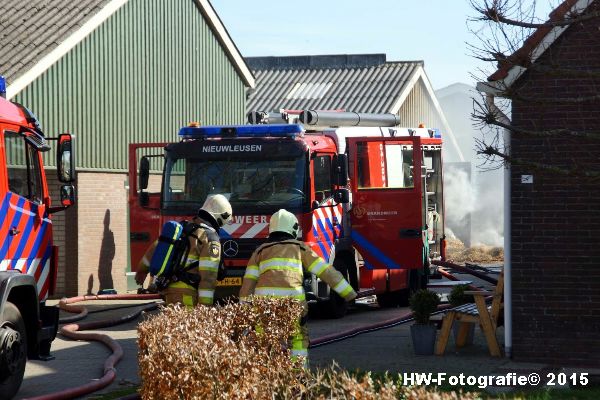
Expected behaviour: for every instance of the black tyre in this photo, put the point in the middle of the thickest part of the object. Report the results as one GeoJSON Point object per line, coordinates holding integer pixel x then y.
{"type": "Point", "coordinates": [386, 300]}
{"type": "Point", "coordinates": [13, 338]}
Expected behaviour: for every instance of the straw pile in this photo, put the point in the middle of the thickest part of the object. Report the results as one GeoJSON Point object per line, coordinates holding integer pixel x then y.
{"type": "Point", "coordinates": [457, 252]}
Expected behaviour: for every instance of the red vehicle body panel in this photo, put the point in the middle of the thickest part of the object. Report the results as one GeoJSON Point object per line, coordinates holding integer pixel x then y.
{"type": "Point", "coordinates": [386, 222]}
{"type": "Point", "coordinates": [26, 227]}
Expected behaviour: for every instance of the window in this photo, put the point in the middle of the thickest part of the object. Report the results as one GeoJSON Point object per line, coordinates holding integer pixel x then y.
{"type": "Point", "coordinates": [384, 165]}
{"type": "Point", "coordinates": [23, 166]}
{"type": "Point", "coordinates": [322, 169]}
{"type": "Point", "coordinates": [250, 184]}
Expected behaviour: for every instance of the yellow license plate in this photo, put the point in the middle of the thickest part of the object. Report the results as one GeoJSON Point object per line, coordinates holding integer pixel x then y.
{"type": "Point", "coordinates": [231, 281]}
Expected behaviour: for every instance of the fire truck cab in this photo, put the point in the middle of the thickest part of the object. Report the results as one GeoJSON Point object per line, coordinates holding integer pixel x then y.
{"type": "Point", "coordinates": [367, 193]}
{"type": "Point", "coordinates": [28, 257]}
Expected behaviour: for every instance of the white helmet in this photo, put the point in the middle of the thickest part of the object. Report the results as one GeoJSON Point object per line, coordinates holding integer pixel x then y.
{"type": "Point", "coordinates": [284, 221]}
{"type": "Point", "coordinates": [218, 207]}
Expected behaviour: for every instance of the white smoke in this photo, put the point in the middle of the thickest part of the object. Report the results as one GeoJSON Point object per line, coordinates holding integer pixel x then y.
{"type": "Point", "coordinates": [488, 215]}
{"type": "Point", "coordinates": [474, 207]}
{"type": "Point", "coordinates": [459, 202]}
{"type": "Point", "coordinates": [473, 198]}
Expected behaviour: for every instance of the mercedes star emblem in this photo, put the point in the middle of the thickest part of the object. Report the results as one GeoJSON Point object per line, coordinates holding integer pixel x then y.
{"type": "Point", "coordinates": [230, 248]}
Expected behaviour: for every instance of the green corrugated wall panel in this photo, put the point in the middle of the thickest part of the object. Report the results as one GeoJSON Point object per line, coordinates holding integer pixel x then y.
{"type": "Point", "coordinates": [152, 67]}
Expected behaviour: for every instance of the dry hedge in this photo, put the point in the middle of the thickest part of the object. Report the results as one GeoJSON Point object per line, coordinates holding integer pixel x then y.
{"type": "Point", "coordinates": [216, 353]}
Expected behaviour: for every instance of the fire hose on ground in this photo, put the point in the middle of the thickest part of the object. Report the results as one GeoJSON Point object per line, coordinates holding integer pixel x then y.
{"type": "Point", "coordinates": [74, 331]}
{"type": "Point", "coordinates": [336, 337]}
{"type": "Point", "coordinates": [466, 270]}
{"type": "Point", "coordinates": [408, 317]}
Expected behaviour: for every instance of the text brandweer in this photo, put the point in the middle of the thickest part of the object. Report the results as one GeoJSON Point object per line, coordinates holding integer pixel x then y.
{"type": "Point", "coordinates": [232, 148]}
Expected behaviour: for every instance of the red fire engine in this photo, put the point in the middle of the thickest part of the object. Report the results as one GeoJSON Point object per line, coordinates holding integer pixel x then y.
{"type": "Point", "coordinates": [28, 258]}
{"type": "Point", "coordinates": [367, 193]}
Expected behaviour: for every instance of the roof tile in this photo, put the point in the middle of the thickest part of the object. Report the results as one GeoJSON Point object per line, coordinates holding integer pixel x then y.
{"type": "Point", "coordinates": [32, 29]}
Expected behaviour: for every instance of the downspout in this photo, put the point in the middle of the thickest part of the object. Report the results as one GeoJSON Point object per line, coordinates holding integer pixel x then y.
{"type": "Point", "coordinates": [507, 232]}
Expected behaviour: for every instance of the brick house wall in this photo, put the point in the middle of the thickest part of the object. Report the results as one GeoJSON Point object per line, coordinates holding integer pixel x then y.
{"type": "Point", "coordinates": [103, 245]}
{"type": "Point", "coordinates": [92, 235]}
{"type": "Point", "coordinates": [556, 220]}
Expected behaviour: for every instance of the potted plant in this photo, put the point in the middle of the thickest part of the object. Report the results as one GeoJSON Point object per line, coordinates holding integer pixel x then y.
{"type": "Point", "coordinates": [423, 333]}
{"type": "Point", "coordinates": [456, 298]}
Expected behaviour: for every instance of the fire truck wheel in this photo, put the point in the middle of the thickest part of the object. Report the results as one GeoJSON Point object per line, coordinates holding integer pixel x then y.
{"type": "Point", "coordinates": [418, 280]}
{"type": "Point", "coordinates": [13, 351]}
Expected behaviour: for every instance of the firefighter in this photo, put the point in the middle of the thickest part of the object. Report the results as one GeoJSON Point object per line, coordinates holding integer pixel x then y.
{"type": "Point", "coordinates": [205, 248]}
{"type": "Point", "coordinates": [277, 267]}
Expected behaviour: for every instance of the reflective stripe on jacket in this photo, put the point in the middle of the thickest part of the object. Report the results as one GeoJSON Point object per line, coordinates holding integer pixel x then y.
{"type": "Point", "coordinates": [277, 269]}
{"type": "Point", "coordinates": [207, 251]}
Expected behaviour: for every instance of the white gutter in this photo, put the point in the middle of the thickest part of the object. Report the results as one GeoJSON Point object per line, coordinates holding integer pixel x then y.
{"type": "Point", "coordinates": [507, 241]}
{"type": "Point", "coordinates": [507, 225]}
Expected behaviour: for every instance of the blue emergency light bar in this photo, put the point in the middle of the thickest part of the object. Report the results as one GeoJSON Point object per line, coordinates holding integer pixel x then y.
{"type": "Point", "coordinates": [2, 86]}
{"type": "Point", "coordinates": [270, 130]}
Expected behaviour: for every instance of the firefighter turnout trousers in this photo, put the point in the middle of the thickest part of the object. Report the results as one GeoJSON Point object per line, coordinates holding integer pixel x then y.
{"type": "Point", "coordinates": [276, 269]}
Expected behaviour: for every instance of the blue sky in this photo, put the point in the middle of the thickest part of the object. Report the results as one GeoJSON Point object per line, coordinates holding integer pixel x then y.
{"type": "Point", "coordinates": [434, 31]}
